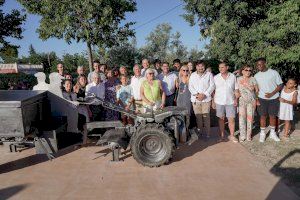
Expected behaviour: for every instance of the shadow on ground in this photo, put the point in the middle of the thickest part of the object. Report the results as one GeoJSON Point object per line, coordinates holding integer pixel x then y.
{"type": "Point", "coordinates": [31, 160]}
{"type": "Point", "coordinates": [8, 192]}
{"type": "Point", "coordinates": [288, 175]}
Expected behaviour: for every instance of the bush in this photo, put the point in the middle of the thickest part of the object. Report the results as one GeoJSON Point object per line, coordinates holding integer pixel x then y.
{"type": "Point", "coordinates": [17, 81]}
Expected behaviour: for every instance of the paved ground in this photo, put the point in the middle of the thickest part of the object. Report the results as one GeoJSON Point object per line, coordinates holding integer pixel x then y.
{"type": "Point", "coordinates": [205, 170]}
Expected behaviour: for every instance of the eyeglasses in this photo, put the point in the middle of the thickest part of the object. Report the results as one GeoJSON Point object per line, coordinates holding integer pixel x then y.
{"type": "Point", "coordinates": [247, 70]}
{"type": "Point", "coordinates": [151, 73]}
{"type": "Point", "coordinates": [185, 70]}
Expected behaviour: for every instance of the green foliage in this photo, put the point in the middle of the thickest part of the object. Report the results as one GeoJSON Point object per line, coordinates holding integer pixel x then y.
{"type": "Point", "coordinates": [9, 53]}
{"type": "Point", "coordinates": [125, 54]}
{"type": "Point", "coordinates": [10, 27]}
{"type": "Point", "coordinates": [242, 31]}
{"type": "Point", "coordinates": [96, 22]}
{"type": "Point", "coordinates": [15, 79]}
{"type": "Point", "coordinates": [177, 48]}
{"type": "Point", "coordinates": [71, 62]}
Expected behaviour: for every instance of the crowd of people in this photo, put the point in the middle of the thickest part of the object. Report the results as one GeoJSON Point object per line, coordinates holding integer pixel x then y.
{"type": "Point", "coordinates": [192, 86]}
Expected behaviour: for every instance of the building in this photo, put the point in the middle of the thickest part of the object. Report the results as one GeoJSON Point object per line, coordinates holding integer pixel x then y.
{"type": "Point", "coordinates": [15, 68]}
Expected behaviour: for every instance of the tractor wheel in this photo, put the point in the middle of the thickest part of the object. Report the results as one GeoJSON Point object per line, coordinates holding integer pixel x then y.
{"type": "Point", "coordinates": [152, 145]}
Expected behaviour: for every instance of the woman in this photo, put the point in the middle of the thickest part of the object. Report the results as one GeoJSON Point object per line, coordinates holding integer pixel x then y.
{"type": "Point", "coordinates": [184, 95]}
{"type": "Point", "coordinates": [110, 93]}
{"type": "Point", "coordinates": [247, 102]}
{"type": "Point", "coordinates": [80, 86]}
{"type": "Point", "coordinates": [152, 93]}
{"type": "Point", "coordinates": [67, 92]}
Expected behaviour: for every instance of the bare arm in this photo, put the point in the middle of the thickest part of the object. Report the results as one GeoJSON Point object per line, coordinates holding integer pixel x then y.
{"type": "Point", "coordinates": [163, 98]}
{"type": "Point", "coordinates": [144, 98]}
{"type": "Point", "coordinates": [294, 100]}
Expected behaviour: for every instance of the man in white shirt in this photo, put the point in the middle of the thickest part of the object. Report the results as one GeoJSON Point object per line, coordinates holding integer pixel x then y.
{"type": "Point", "coordinates": [225, 99]}
{"type": "Point", "coordinates": [135, 83]}
{"type": "Point", "coordinates": [96, 66]}
{"type": "Point", "coordinates": [169, 81]}
{"type": "Point", "coordinates": [269, 85]}
{"type": "Point", "coordinates": [96, 86]}
{"type": "Point", "coordinates": [146, 65]}
{"type": "Point", "coordinates": [201, 86]}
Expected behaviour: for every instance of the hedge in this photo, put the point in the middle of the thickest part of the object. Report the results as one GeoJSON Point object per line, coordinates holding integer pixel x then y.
{"type": "Point", "coordinates": [6, 80]}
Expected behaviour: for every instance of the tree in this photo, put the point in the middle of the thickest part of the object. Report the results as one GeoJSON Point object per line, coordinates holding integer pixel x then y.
{"type": "Point", "coordinates": [31, 50]}
{"type": "Point", "coordinates": [242, 31]}
{"type": "Point", "coordinates": [177, 49]}
{"type": "Point", "coordinates": [10, 27]}
{"type": "Point", "coordinates": [9, 54]}
{"type": "Point", "coordinates": [71, 62]}
{"type": "Point", "coordinates": [158, 42]}
{"type": "Point", "coordinates": [89, 21]}
{"type": "Point", "coordinates": [125, 54]}
{"type": "Point", "coordinates": [195, 54]}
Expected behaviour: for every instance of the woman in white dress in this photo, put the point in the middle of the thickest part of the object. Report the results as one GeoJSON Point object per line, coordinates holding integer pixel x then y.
{"type": "Point", "coordinates": [288, 98]}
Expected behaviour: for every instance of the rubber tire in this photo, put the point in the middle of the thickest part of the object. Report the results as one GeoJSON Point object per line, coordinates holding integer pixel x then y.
{"type": "Point", "coordinates": [158, 132]}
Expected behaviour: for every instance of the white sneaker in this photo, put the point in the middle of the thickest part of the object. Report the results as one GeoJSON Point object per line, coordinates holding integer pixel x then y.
{"type": "Point", "coordinates": [274, 136]}
{"type": "Point", "coordinates": [262, 137]}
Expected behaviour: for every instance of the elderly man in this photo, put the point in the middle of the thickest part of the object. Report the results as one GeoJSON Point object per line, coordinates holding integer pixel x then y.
{"type": "Point", "coordinates": [225, 99]}
{"type": "Point", "coordinates": [135, 83]}
{"type": "Point", "coordinates": [146, 65]}
{"type": "Point", "coordinates": [123, 70]}
{"type": "Point", "coordinates": [169, 81]}
{"type": "Point", "coordinates": [269, 85]}
{"type": "Point", "coordinates": [96, 86]}
{"type": "Point", "coordinates": [201, 86]}
{"type": "Point", "coordinates": [96, 66]}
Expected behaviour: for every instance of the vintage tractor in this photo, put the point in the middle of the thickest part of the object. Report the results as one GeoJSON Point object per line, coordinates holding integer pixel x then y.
{"type": "Point", "coordinates": [52, 122]}
{"type": "Point", "coordinates": [152, 138]}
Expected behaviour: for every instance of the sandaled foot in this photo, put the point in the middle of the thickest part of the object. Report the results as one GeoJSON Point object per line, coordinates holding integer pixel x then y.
{"type": "Point", "coordinates": [233, 139]}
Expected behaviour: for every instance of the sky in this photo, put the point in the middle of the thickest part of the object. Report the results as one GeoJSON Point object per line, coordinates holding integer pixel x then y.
{"type": "Point", "coordinates": [146, 10]}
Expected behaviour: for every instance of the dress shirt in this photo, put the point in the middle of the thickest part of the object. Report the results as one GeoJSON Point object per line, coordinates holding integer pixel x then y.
{"type": "Point", "coordinates": [136, 83]}
{"type": "Point", "coordinates": [168, 82]}
{"type": "Point", "coordinates": [201, 84]}
{"type": "Point", "coordinates": [98, 90]}
{"type": "Point", "coordinates": [225, 88]}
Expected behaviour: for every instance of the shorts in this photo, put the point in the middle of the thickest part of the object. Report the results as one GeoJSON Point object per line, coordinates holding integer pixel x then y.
{"type": "Point", "coordinates": [226, 110]}
{"type": "Point", "coordinates": [268, 107]}
{"type": "Point", "coordinates": [201, 107]}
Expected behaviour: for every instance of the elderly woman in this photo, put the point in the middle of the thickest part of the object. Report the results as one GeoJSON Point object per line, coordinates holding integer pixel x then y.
{"type": "Point", "coordinates": [152, 93]}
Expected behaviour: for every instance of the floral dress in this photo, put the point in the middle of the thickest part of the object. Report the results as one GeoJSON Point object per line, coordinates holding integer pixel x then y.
{"type": "Point", "coordinates": [110, 96]}
{"type": "Point", "coordinates": [246, 106]}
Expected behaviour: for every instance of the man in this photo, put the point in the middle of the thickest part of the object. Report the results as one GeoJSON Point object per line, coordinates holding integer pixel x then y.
{"type": "Point", "coordinates": [157, 65]}
{"type": "Point", "coordinates": [169, 81]}
{"type": "Point", "coordinates": [225, 99]}
{"type": "Point", "coordinates": [269, 84]}
{"type": "Point", "coordinates": [176, 66]}
{"type": "Point", "coordinates": [97, 88]}
{"type": "Point", "coordinates": [201, 86]}
{"type": "Point", "coordinates": [135, 83]}
{"type": "Point", "coordinates": [96, 66]}
{"type": "Point", "coordinates": [146, 65]}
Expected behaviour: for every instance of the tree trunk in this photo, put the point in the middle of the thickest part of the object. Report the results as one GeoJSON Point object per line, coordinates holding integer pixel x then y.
{"type": "Point", "coordinates": [89, 48]}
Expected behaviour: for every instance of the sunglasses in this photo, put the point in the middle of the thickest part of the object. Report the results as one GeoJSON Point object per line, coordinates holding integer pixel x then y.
{"type": "Point", "coordinates": [247, 70]}
{"type": "Point", "coordinates": [151, 73]}
{"type": "Point", "coordinates": [185, 70]}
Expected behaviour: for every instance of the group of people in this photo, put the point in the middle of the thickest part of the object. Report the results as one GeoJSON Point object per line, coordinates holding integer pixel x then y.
{"type": "Point", "coordinates": [198, 91]}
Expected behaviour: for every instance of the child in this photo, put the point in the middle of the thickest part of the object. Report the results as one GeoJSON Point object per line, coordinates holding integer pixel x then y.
{"type": "Point", "coordinates": [125, 98]}
{"type": "Point", "coordinates": [288, 99]}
